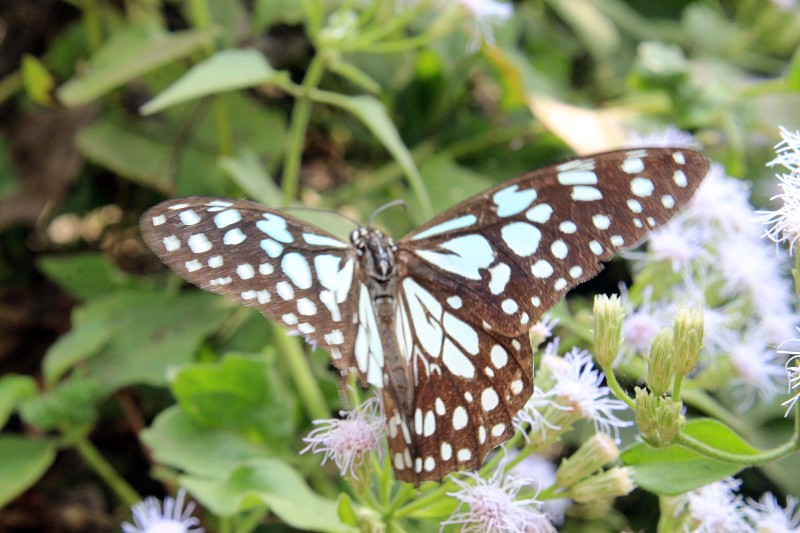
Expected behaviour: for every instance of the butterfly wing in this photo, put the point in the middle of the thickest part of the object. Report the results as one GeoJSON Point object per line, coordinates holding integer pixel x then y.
{"type": "Point", "coordinates": [296, 274]}
{"type": "Point", "coordinates": [480, 274]}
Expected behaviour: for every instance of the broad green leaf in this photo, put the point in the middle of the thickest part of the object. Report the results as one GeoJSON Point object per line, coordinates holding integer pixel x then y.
{"type": "Point", "coordinates": [151, 331]}
{"type": "Point", "coordinates": [271, 482]}
{"type": "Point", "coordinates": [37, 80]}
{"type": "Point", "coordinates": [86, 275]}
{"type": "Point", "coordinates": [24, 460]}
{"type": "Point", "coordinates": [124, 149]}
{"type": "Point", "coordinates": [128, 54]}
{"type": "Point", "coordinates": [80, 344]}
{"type": "Point", "coordinates": [676, 469]}
{"type": "Point", "coordinates": [449, 183]}
{"type": "Point", "coordinates": [227, 70]}
{"type": "Point", "coordinates": [69, 406]}
{"type": "Point", "coordinates": [248, 172]}
{"type": "Point", "coordinates": [13, 390]}
{"type": "Point", "coordinates": [179, 442]}
{"type": "Point", "coordinates": [372, 113]}
{"type": "Point", "coordinates": [241, 394]}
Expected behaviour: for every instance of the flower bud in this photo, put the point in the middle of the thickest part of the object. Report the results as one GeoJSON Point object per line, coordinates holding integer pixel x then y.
{"type": "Point", "coordinates": [608, 315]}
{"type": "Point", "coordinates": [659, 363]}
{"type": "Point", "coordinates": [591, 457]}
{"type": "Point", "coordinates": [609, 484]}
{"type": "Point", "coordinates": [670, 420]}
{"type": "Point", "coordinates": [687, 339]}
{"type": "Point", "coordinates": [646, 415]}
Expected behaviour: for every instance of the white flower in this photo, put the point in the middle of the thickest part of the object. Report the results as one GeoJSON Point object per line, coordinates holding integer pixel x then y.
{"type": "Point", "coordinates": [749, 267]}
{"type": "Point", "coordinates": [716, 508]}
{"type": "Point", "coordinates": [491, 505]}
{"type": "Point", "coordinates": [758, 370]}
{"type": "Point", "coordinates": [485, 14]}
{"type": "Point", "coordinates": [544, 472]}
{"type": "Point", "coordinates": [678, 243]}
{"type": "Point", "coordinates": [640, 326]}
{"type": "Point", "coordinates": [148, 516]}
{"type": "Point", "coordinates": [723, 202]}
{"type": "Point", "coordinates": [767, 515]}
{"type": "Point", "coordinates": [578, 386]}
{"type": "Point", "coordinates": [348, 441]}
{"type": "Point", "coordinates": [785, 221]}
{"type": "Point", "coordinates": [793, 375]}
{"type": "Point", "coordinates": [542, 330]}
{"type": "Point", "coordinates": [533, 414]}
{"type": "Point", "coordinates": [667, 137]}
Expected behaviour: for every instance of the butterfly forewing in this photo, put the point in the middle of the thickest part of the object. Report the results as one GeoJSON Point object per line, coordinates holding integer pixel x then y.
{"type": "Point", "coordinates": [296, 274]}
{"type": "Point", "coordinates": [513, 251]}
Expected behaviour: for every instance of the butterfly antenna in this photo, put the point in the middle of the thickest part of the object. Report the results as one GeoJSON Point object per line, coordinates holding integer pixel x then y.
{"type": "Point", "coordinates": [355, 222]}
{"type": "Point", "coordinates": [384, 207]}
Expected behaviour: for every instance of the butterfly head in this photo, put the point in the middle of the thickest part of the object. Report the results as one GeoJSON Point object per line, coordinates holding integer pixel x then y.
{"type": "Point", "coordinates": [376, 251]}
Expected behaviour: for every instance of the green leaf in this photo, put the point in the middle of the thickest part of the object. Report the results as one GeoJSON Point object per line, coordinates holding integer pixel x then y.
{"type": "Point", "coordinates": [273, 483]}
{"type": "Point", "coordinates": [80, 344]}
{"type": "Point", "coordinates": [676, 469]}
{"type": "Point", "coordinates": [240, 394]}
{"type": "Point", "coordinates": [248, 172]}
{"type": "Point", "coordinates": [14, 389]}
{"type": "Point", "coordinates": [37, 80]}
{"type": "Point", "coordinates": [24, 462]}
{"type": "Point", "coordinates": [87, 275]}
{"type": "Point", "coordinates": [179, 442]}
{"type": "Point", "coordinates": [793, 72]}
{"type": "Point", "coordinates": [227, 70]}
{"type": "Point", "coordinates": [371, 112]}
{"type": "Point", "coordinates": [346, 511]}
{"type": "Point", "coordinates": [128, 54]}
{"type": "Point", "coordinates": [150, 331]}
{"type": "Point", "coordinates": [449, 183]}
{"type": "Point", "coordinates": [123, 148]}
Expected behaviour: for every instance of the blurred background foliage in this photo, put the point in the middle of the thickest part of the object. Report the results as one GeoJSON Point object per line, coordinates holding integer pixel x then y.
{"type": "Point", "coordinates": [111, 370]}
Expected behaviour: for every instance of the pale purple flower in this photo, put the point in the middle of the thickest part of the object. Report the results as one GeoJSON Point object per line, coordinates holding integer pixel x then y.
{"type": "Point", "coordinates": [579, 387]}
{"type": "Point", "coordinates": [758, 370]}
{"type": "Point", "coordinates": [716, 508]}
{"type": "Point", "coordinates": [349, 440]}
{"type": "Point", "coordinates": [149, 517]}
{"type": "Point", "coordinates": [767, 516]}
{"type": "Point", "coordinates": [491, 505]}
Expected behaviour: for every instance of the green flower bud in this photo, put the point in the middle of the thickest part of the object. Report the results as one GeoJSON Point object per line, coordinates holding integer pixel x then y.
{"type": "Point", "coordinates": [609, 484]}
{"type": "Point", "coordinates": [670, 420]}
{"type": "Point", "coordinates": [591, 457]}
{"type": "Point", "coordinates": [659, 363]}
{"type": "Point", "coordinates": [687, 339]}
{"type": "Point", "coordinates": [608, 315]}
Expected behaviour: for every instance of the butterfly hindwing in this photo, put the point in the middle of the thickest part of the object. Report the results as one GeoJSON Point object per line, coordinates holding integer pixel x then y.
{"type": "Point", "coordinates": [296, 274]}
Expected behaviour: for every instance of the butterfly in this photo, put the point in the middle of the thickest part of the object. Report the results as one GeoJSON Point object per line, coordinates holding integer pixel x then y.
{"type": "Point", "coordinates": [437, 320]}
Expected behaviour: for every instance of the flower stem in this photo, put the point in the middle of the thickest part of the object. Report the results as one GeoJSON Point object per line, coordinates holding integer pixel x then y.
{"type": "Point", "coordinates": [301, 115]}
{"type": "Point", "coordinates": [303, 377]}
{"type": "Point", "coordinates": [106, 472]}
{"type": "Point", "coordinates": [765, 456]}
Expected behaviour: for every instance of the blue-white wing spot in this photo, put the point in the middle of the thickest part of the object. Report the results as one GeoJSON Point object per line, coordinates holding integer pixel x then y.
{"type": "Point", "coordinates": [227, 218]}
{"type": "Point", "coordinates": [322, 240]}
{"type": "Point", "coordinates": [296, 268]}
{"type": "Point", "coordinates": [469, 254]}
{"type": "Point", "coordinates": [275, 227]}
{"type": "Point", "coordinates": [464, 221]}
{"type": "Point", "coordinates": [522, 238]}
{"type": "Point", "coordinates": [510, 201]}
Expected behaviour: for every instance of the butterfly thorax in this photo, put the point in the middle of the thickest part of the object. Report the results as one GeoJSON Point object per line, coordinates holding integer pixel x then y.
{"type": "Point", "coordinates": [380, 273]}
